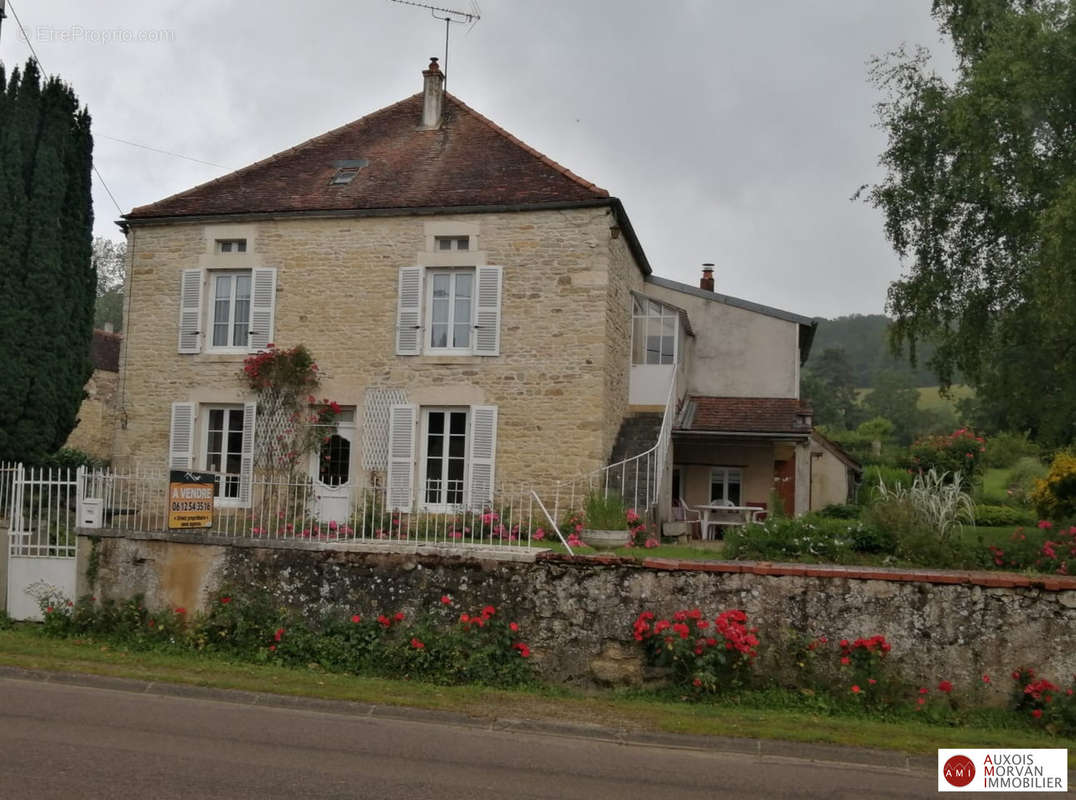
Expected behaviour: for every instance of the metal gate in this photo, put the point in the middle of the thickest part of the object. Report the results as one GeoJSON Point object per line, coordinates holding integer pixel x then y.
{"type": "Point", "coordinates": [41, 510]}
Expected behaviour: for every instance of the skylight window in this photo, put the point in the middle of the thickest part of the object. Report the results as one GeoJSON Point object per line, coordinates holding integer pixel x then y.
{"type": "Point", "coordinates": [347, 170]}
{"type": "Point", "coordinates": [345, 175]}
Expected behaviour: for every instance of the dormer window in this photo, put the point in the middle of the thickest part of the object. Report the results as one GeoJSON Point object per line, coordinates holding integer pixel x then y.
{"type": "Point", "coordinates": [443, 243]}
{"type": "Point", "coordinates": [231, 245]}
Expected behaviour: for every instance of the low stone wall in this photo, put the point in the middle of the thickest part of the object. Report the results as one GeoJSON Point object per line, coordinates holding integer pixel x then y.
{"type": "Point", "coordinates": [577, 612]}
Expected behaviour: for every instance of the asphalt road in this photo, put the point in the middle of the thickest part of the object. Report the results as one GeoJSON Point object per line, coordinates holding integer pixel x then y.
{"type": "Point", "coordinates": [71, 742]}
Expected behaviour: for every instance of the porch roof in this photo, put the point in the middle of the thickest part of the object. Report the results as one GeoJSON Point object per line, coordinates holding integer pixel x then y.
{"type": "Point", "coordinates": [747, 415]}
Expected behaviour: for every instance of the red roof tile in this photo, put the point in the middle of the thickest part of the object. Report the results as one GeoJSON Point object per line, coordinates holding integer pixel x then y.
{"type": "Point", "coordinates": [467, 161]}
{"type": "Point", "coordinates": [749, 415]}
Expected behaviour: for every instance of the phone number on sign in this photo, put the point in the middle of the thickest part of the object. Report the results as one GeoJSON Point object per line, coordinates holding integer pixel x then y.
{"type": "Point", "coordinates": [192, 506]}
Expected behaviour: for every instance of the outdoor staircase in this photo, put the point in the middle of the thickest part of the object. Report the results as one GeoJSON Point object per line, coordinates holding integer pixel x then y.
{"type": "Point", "coordinates": [638, 433]}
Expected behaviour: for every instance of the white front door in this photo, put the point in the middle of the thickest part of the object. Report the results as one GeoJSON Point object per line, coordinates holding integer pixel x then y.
{"type": "Point", "coordinates": [332, 470]}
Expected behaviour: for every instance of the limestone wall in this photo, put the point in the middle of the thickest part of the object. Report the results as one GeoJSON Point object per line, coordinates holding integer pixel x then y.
{"type": "Point", "coordinates": [97, 416]}
{"type": "Point", "coordinates": [577, 613]}
{"type": "Point", "coordinates": [560, 382]}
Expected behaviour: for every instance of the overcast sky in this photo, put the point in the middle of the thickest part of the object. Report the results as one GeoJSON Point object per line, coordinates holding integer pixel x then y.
{"type": "Point", "coordinates": [734, 132]}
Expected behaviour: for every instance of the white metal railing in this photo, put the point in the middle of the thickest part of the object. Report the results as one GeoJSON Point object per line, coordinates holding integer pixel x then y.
{"type": "Point", "coordinates": [41, 508]}
{"type": "Point", "coordinates": [8, 471]}
{"type": "Point", "coordinates": [300, 509]}
{"type": "Point", "coordinates": [638, 480]}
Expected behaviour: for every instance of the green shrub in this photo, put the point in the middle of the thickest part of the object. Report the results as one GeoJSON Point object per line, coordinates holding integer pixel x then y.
{"type": "Point", "coordinates": [1054, 496]}
{"type": "Point", "coordinates": [1044, 548]}
{"type": "Point", "coordinates": [958, 452]}
{"type": "Point", "coordinates": [703, 656]}
{"type": "Point", "coordinates": [938, 498]}
{"type": "Point", "coordinates": [809, 537]}
{"type": "Point", "coordinates": [441, 646]}
{"type": "Point", "coordinates": [1023, 476]}
{"type": "Point", "coordinates": [867, 538]}
{"type": "Point", "coordinates": [1045, 703]}
{"type": "Point", "coordinates": [840, 511]}
{"type": "Point", "coordinates": [913, 539]}
{"type": "Point", "coordinates": [70, 458]}
{"type": "Point", "coordinates": [877, 474]}
{"type": "Point", "coordinates": [1005, 449]}
{"type": "Point", "coordinates": [989, 516]}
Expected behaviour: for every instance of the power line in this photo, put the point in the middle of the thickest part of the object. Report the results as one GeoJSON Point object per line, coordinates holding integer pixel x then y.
{"type": "Point", "coordinates": [33, 52]}
{"type": "Point", "coordinates": [158, 150]}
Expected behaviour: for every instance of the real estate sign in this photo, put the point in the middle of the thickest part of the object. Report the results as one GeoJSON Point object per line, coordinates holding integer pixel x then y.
{"type": "Point", "coordinates": [190, 499]}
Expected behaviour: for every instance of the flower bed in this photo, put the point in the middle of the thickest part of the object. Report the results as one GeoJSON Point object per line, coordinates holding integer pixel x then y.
{"type": "Point", "coordinates": [443, 645]}
{"type": "Point", "coordinates": [707, 657]}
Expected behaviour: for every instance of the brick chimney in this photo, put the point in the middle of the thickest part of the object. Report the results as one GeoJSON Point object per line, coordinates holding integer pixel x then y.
{"type": "Point", "coordinates": [433, 82]}
{"type": "Point", "coordinates": [707, 280]}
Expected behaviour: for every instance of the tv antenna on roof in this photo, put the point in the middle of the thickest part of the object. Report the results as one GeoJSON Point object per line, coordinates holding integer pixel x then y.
{"type": "Point", "coordinates": [449, 16]}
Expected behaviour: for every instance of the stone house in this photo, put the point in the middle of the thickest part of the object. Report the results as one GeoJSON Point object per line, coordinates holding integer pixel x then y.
{"type": "Point", "coordinates": [483, 315]}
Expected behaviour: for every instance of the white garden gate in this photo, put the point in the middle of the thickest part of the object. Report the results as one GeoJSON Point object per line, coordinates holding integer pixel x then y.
{"type": "Point", "coordinates": [41, 508]}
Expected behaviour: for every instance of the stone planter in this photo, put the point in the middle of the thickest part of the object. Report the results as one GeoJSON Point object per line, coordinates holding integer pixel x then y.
{"type": "Point", "coordinates": [606, 540]}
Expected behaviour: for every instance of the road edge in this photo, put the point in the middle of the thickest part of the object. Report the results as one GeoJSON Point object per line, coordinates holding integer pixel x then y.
{"type": "Point", "coordinates": [759, 748]}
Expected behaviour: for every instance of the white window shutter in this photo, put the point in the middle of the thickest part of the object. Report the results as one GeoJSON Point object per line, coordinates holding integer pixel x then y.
{"type": "Point", "coordinates": [409, 312]}
{"type": "Point", "coordinates": [262, 307]}
{"type": "Point", "coordinates": [401, 472]}
{"type": "Point", "coordinates": [487, 318]}
{"type": "Point", "coordinates": [481, 463]}
{"type": "Point", "coordinates": [181, 436]}
{"type": "Point", "coordinates": [190, 311]}
{"type": "Point", "coordinates": [246, 454]}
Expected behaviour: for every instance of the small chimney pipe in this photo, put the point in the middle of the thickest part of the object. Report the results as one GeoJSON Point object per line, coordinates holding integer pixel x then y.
{"type": "Point", "coordinates": [433, 82]}
{"type": "Point", "coordinates": [707, 281]}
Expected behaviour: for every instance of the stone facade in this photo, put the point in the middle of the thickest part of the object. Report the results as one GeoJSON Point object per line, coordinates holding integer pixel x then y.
{"type": "Point", "coordinates": [576, 613]}
{"type": "Point", "coordinates": [559, 383]}
{"type": "Point", "coordinates": [97, 416]}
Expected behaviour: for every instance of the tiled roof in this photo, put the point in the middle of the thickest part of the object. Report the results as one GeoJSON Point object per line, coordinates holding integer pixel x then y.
{"type": "Point", "coordinates": [748, 415]}
{"type": "Point", "coordinates": [467, 161]}
{"type": "Point", "coordinates": [105, 351]}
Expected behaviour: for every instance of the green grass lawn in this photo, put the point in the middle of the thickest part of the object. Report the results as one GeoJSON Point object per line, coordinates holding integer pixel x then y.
{"type": "Point", "coordinates": [930, 397]}
{"type": "Point", "coordinates": [769, 714]}
{"type": "Point", "coordinates": [995, 486]}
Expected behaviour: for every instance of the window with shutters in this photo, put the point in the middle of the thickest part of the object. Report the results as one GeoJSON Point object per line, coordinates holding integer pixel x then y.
{"type": "Point", "coordinates": [230, 309]}
{"type": "Point", "coordinates": [444, 459]}
{"type": "Point", "coordinates": [223, 451]}
{"type": "Point", "coordinates": [455, 451]}
{"type": "Point", "coordinates": [450, 310]}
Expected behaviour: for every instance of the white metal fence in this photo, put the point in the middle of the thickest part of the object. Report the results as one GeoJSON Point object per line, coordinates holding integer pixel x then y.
{"type": "Point", "coordinates": [41, 505]}
{"type": "Point", "coordinates": [300, 509]}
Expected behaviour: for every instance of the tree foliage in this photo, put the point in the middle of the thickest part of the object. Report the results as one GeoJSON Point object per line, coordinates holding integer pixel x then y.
{"type": "Point", "coordinates": [979, 201]}
{"type": "Point", "coordinates": [829, 387]}
{"type": "Point", "coordinates": [110, 262]}
{"type": "Point", "coordinates": [47, 281]}
{"type": "Point", "coordinates": [895, 398]}
{"type": "Point", "coordinates": [864, 338]}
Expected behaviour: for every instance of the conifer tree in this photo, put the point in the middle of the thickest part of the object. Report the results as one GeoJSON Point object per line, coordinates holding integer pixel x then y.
{"type": "Point", "coordinates": [47, 280]}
